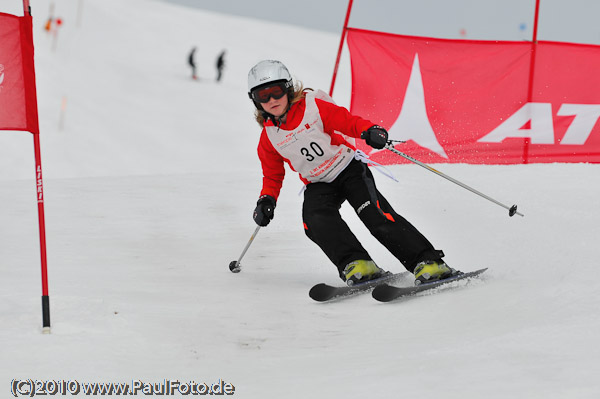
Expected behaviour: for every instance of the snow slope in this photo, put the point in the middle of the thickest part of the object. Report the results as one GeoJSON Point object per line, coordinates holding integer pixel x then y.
{"type": "Point", "coordinates": [150, 184]}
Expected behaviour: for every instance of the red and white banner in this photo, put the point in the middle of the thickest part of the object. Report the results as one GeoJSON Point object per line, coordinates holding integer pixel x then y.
{"type": "Point", "coordinates": [18, 103]}
{"type": "Point", "coordinates": [465, 101]}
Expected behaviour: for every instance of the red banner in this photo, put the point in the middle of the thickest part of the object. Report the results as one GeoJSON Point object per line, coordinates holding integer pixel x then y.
{"type": "Point", "coordinates": [465, 101]}
{"type": "Point", "coordinates": [18, 103]}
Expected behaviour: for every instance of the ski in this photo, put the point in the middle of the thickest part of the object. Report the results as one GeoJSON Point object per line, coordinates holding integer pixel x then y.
{"type": "Point", "coordinates": [386, 293]}
{"type": "Point", "coordinates": [325, 292]}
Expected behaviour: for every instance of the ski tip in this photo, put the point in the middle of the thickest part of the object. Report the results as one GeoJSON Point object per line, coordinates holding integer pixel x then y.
{"type": "Point", "coordinates": [318, 292]}
{"type": "Point", "coordinates": [381, 293]}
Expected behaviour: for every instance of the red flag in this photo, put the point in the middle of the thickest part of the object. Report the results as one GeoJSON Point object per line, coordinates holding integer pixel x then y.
{"type": "Point", "coordinates": [465, 101]}
{"type": "Point", "coordinates": [18, 111]}
{"type": "Point", "coordinates": [18, 103]}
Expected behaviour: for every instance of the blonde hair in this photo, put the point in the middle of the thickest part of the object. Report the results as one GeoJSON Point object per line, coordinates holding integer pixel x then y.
{"type": "Point", "coordinates": [297, 93]}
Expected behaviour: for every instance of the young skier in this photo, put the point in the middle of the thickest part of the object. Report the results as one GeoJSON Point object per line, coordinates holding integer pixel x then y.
{"type": "Point", "coordinates": [220, 65]}
{"type": "Point", "coordinates": [192, 62]}
{"type": "Point", "coordinates": [317, 139]}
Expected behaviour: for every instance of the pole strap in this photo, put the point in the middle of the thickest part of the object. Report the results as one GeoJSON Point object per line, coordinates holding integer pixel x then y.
{"type": "Point", "coordinates": [364, 158]}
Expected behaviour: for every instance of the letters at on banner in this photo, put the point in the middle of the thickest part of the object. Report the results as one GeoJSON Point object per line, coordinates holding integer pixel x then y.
{"type": "Point", "coordinates": [465, 101]}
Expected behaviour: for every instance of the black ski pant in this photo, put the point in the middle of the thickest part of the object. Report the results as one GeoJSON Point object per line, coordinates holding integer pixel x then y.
{"type": "Point", "coordinates": [324, 225]}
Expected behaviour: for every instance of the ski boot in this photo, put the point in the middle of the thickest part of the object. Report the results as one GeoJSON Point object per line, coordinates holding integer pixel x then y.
{"type": "Point", "coordinates": [431, 270]}
{"type": "Point", "coordinates": [361, 271]}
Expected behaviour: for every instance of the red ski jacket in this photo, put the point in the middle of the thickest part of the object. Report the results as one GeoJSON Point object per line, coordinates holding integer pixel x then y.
{"type": "Point", "coordinates": [330, 119]}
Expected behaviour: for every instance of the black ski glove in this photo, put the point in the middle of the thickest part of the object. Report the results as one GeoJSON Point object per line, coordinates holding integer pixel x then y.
{"type": "Point", "coordinates": [375, 136]}
{"type": "Point", "coordinates": [265, 209]}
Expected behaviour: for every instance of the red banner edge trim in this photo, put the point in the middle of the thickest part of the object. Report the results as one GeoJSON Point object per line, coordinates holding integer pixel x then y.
{"type": "Point", "coordinates": [27, 53]}
{"type": "Point", "coordinates": [374, 32]}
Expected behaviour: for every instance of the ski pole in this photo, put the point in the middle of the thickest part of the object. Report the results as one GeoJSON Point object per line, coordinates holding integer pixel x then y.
{"type": "Point", "coordinates": [512, 210]}
{"type": "Point", "coordinates": [235, 265]}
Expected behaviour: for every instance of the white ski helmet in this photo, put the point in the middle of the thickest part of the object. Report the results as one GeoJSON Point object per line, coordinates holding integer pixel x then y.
{"type": "Point", "coordinates": [267, 72]}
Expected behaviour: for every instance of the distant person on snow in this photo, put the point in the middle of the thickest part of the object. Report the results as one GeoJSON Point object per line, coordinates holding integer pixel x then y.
{"type": "Point", "coordinates": [220, 65]}
{"type": "Point", "coordinates": [192, 62]}
{"type": "Point", "coordinates": [317, 139]}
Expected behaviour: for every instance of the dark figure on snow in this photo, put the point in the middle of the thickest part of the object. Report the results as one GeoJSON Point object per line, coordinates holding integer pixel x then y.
{"type": "Point", "coordinates": [324, 153]}
{"type": "Point", "coordinates": [220, 65]}
{"type": "Point", "coordinates": [192, 62]}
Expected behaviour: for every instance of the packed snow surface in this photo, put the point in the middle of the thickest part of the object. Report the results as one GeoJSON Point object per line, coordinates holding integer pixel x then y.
{"type": "Point", "coordinates": [150, 182]}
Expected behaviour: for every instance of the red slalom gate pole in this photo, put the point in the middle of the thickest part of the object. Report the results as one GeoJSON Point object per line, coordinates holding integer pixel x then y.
{"type": "Point", "coordinates": [42, 223]}
{"type": "Point", "coordinates": [531, 73]}
{"type": "Point", "coordinates": [339, 54]}
{"type": "Point", "coordinates": [41, 217]}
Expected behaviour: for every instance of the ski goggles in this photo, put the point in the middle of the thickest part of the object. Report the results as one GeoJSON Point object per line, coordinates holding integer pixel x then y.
{"type": "Point", "coordinates": [263, 95]}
